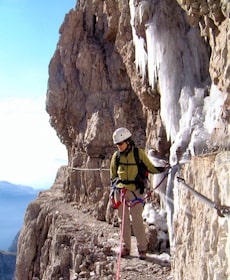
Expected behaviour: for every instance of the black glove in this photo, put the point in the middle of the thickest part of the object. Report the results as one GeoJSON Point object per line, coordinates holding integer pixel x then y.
{"type": "Point", "coordinates": [161, 169]}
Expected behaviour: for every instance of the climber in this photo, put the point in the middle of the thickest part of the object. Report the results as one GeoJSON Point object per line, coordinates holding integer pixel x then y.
{"type": "Point", "coordinates": [125, 187]}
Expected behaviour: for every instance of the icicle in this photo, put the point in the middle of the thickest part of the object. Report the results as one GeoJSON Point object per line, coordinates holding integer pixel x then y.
{"type": "Point", "coordinates": [177, 60]}
{"type": "Point", "coordinates": [139, 43]}
{"type": "Point", "coordinates": [164, 67]}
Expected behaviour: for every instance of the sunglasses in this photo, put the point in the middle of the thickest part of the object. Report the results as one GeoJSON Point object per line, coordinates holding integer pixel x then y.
{"type": "Point", "coordinates": [121, 143]}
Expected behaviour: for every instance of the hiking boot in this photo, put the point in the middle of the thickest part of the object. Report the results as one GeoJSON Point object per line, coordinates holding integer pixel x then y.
{"type": "Point", "coordinates": [125, 252]}
{"type": "Point", "coordinates": [142, 255]}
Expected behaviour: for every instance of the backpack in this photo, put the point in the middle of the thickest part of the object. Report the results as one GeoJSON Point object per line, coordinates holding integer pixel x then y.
{"type": "Point", "coordinates": [142, 176]}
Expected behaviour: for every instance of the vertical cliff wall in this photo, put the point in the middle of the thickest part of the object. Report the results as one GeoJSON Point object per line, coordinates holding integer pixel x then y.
{"type": "Point", "coordinates": [145, 65]}
{"type": "Point", "coordinates": [160, 68]}
{"type": "Point", "coordinates": [201, 235]}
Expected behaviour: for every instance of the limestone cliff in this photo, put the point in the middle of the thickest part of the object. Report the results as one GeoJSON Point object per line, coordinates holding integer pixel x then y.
{"type": "Point", "coordinates": [160, 68]}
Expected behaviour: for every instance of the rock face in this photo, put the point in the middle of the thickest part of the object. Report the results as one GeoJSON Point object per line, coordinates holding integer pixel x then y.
{"type": "Point", "coordinates": [95, 87]}
{"type": "Point", "coordinates": [213, 18]}
{"type": "Point", "coordinates": [62, 243]}
{"type": "Point", "coordinates": [201, 235]}
{"type": "Point", "coordinates": [152, 66]}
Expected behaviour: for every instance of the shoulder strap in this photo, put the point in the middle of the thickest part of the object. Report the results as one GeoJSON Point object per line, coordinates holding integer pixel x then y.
{"type": "Point", "coordinates": [117, 159]}
{"type": "Point", "coordinates": [136, 155]}
{"type": "Point", "coordinates": [142, 169]}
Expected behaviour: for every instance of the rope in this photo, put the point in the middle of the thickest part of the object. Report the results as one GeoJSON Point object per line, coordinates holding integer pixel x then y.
{"type": "Point", "coordinates": [89, 169]}
{"type": "Point", "coordinates": [161, 181]}
{"type": "Point", "coordinates": [122, 233]}
{"type": "Point", "coordinates": [108, 169]}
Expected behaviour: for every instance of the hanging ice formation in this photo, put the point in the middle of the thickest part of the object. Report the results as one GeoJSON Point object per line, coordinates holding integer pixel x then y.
{"type": "Point", "coordinates": [177, 58]}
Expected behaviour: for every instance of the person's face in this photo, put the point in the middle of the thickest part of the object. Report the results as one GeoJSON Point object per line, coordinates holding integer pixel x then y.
{"type": "Point", "coordinates": [122, 146]}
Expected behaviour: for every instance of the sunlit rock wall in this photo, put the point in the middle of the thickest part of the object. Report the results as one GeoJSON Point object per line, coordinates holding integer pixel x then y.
{"type": "Point", "coordinates": [144, 65]}
{"type": "Point", "coordinates": [93, 89]}
{"type": "Point", "coordinates": [202, 240]}
{"type": "Point", "coordinates": [213, 19]}
{"type": "Point", "coordinates": [99, 81]}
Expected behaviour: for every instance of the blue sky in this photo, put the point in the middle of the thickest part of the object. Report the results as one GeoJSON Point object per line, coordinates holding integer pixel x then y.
{"type": "Point", "coordinates": [30, 151]}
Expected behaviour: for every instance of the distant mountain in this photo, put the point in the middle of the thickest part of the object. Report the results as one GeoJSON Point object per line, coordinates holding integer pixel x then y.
{"type": "Point", "coordinates": [7, 188]}
{"type": "Point", "coordinates": [14, 200]}
{"type": "Point", "coordinates": [13, 246]}
{"type": "Point", "coordinates": [7, 265]}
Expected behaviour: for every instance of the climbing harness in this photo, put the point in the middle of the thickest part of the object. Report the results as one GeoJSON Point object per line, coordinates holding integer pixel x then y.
{"type": "Point", "coordinates": [222, 210]}
{"type": "Point", "coordinates": [130, 203]}
{"type": "Point", "coordinates": [123, 191]}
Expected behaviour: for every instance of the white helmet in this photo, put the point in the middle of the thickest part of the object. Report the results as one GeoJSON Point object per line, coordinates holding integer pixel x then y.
{"type": "Point", "coordinates": [121, 134]}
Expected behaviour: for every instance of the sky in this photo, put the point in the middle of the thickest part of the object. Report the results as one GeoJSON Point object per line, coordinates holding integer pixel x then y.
{"type": "Point", "coordinates": [30, 151]}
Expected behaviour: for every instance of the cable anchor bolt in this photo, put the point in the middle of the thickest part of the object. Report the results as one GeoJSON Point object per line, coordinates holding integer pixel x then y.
{"type": "Point", "coordinates": [222, 210]}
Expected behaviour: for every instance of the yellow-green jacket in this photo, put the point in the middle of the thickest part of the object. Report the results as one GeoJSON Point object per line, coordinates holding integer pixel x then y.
{"type": "Point", "coordinates": [127, 169]}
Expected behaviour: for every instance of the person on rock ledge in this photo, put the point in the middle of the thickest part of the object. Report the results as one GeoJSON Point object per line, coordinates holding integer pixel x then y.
{"type": "Point", "coordinates": [128, 187]}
